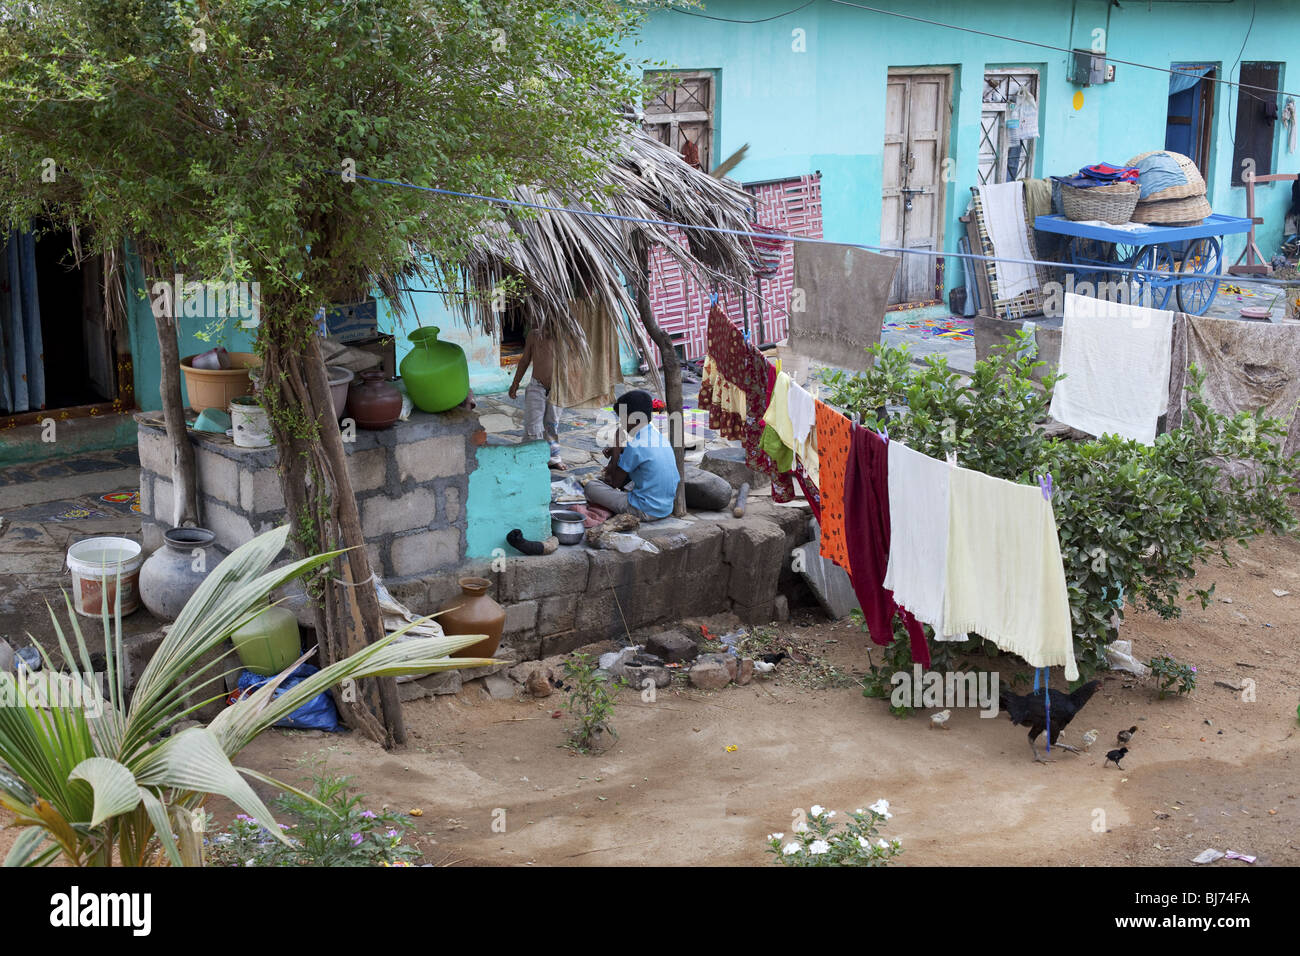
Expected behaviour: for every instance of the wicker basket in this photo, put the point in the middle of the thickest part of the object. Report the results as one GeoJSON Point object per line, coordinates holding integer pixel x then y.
{"type": "Point", "coordinates": [1113, 203]}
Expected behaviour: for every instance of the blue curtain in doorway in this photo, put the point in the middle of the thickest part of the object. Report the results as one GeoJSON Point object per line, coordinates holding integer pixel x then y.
{"type": "Point", "coordinates": [22, 352]}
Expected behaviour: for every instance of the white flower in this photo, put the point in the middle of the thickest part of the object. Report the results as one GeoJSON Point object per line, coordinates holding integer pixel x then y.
{"type": "Point", "coordinates": [864, 843]}
{"type": "Point", "coordinates": [800, 827]}
{"type": "Point", "coordinates": [859, 811]}
{"type": "Point", "coordinates": [775, 836]}
{"type": "Point", "coordinates": [829, 814]}
{"type": "Point", "coordinates": [817, 810]}
{"type": "Point", "coordinates": [883, 845]}
{"type": "Point", "coordinates": [817, 847]}
{"type": "Point", "coordinates": [881, 807]}
{"type": "Point", "coordinates": [790, 849]}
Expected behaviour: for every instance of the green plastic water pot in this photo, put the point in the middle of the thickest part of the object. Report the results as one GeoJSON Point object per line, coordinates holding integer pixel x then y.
{"type": "Point", "coordinates": [269, 642]}
{"type": "Point", "coordinates": [436, 373]}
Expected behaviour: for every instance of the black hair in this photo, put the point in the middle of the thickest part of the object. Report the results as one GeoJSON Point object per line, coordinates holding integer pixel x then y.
{"type": "Point", "coordinates": [634, 408]}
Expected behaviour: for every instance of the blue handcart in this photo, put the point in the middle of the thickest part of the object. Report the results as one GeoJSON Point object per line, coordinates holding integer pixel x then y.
{"type": "Point", "coordinates": [1186, 260]}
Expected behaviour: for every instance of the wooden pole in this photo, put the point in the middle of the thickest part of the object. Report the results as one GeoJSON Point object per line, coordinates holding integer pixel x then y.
{"type": "Point", "coordinates": [672, 367]}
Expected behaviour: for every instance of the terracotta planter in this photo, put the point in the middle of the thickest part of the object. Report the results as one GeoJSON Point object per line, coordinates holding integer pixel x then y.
{"type": "Point", "coordinates": [474, 613]}
{"type": "Point", "coordinates": [214, 388]}
{"type": "Point", "coordinates": [374, 403]}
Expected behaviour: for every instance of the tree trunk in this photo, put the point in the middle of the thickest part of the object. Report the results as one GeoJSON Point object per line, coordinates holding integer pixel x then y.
{"type": "Point", "coordinates": [672, 367]}
{"type": "Point", "coordinates": [322, 509]}
{"type": "Point", "coordinates": [185, 486]}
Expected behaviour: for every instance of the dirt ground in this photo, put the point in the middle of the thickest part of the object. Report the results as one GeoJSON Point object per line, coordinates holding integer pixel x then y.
{"type": "Point", "coordinates": [1209, 770]}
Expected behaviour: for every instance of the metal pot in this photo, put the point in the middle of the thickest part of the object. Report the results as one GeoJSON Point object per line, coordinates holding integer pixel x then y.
{"type": "Point", "coordinates": [568, 526]}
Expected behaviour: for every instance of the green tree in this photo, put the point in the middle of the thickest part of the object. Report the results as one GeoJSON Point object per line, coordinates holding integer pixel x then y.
{"type": "Point", "coordinates": [224, 138]}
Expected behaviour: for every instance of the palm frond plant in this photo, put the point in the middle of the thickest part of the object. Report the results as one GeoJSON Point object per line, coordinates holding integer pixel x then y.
{"type": "Point", "coordinates": [88, 783]}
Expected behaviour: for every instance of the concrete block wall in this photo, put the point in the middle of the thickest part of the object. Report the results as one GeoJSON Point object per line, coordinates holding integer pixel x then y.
{"type": "Point", "coordinates": [578, 595]}
{"type": "Point", "coordinates": [411, 483]}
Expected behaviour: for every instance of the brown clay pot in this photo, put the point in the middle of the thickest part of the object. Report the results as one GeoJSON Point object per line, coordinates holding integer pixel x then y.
{"type": "Point", "coordinates": [374, 403]}
{"type": "Point", "coordinates": [474, 613]}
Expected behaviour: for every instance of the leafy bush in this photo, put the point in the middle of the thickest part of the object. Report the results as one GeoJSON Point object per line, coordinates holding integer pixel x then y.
{"type": "Point", "coordinates": [590, 701]}
{"type": "Point", "coordinates": [1168, 672]}
{"type": "Point", "coordinates": [1134, 520]}
{"type": "Point", "coordinates": [332, 828]}
{"type": "Point", "coordinates": [818, 842]}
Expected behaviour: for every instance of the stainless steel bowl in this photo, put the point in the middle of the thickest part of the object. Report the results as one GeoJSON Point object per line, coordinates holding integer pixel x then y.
{"type": "Point", "coordinates": [568, 526]}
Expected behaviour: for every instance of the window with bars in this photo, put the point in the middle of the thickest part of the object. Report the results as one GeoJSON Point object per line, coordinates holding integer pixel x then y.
{"type": "Point", "coordinates": [1003, 155]}
{"type": "Point", "coordinates": [679, 108]}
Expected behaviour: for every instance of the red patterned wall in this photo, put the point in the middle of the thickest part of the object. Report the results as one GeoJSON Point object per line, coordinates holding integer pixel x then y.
{"type": "Point", "coordinates": [682, 306]}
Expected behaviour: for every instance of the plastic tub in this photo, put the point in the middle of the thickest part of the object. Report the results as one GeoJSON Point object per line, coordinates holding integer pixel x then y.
{"type": "Point", "coordinates": [105, 568]}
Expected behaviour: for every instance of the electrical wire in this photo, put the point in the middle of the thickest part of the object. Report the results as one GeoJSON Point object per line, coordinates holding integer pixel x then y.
{"type": "Point", "coordinates": [985, 33]}
{"type": "Point", "coordinates": [705, 16]}
{"type": "Point", "coordinates": [751, 234]}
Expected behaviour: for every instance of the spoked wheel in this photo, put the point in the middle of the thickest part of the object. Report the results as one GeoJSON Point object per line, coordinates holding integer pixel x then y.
{"type": "Point", "coordinates": [1152, 291]}
{"type": "Point", "coordinates": [1202, 259]}
{"type": "Point", "coordinates": [1090, 257]}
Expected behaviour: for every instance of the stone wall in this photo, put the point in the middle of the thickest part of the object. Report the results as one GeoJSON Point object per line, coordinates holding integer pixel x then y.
{"type": "Point", "coordinates": [411, 483]}
{"type": "Point", "coordinates": [579, 595]}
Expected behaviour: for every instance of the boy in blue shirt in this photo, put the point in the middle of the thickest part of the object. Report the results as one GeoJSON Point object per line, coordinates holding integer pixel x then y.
{"type": "Point", "coordinates": [645, 458]}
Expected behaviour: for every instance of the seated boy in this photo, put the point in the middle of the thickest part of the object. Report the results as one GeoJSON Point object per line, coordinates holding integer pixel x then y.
{"type": "Point", "coordinates": [645, 458]}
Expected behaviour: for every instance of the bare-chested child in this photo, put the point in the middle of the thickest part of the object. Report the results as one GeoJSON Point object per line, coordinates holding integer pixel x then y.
{"type": "Point", "coordinates": [540, 418]}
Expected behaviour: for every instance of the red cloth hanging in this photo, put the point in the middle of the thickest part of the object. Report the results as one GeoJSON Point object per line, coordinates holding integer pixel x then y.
{"type": "Point", "coordinates": [867, 533]}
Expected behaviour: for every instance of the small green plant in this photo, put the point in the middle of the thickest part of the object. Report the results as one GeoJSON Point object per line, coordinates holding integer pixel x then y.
{"type": "Point", "coordinates": [1169, 672]}
{"type": "Point", "coordinates": [332, 829]}
{"type": "Point", "coordinates": [819, 842]}
{"type": "Point", "coordinates": [590, 701]}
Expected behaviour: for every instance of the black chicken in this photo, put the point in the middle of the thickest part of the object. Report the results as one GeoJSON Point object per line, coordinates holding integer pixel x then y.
{"type": "Point", "coordinates": [1028, 711]}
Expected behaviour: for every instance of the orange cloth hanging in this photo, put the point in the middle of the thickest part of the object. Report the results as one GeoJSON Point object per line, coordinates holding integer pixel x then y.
{"type": "Point", "coordinates": [833, 439]}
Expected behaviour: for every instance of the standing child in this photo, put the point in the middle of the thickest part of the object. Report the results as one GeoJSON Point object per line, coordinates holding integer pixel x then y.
{"type": "Point", "coordinates": [540, 417]}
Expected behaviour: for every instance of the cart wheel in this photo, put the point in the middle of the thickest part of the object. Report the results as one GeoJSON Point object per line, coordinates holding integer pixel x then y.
{"type": "Point", "coordinates": [1201, 259]}
{"type": "Point", "coordinates": [1090, 258]}
{"type": "Point", "coordinates": [1151, 291]}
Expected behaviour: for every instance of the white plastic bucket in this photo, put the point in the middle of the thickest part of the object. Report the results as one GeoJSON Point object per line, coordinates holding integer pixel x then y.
{"type": "Point", "coordinates": [249, 425]}
{"type": "Point", "coordinates": [105, 567]}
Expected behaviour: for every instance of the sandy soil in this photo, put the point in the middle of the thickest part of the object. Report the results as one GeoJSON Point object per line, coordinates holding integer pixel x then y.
{"type": "Point", "coordinates": [1208, 770]}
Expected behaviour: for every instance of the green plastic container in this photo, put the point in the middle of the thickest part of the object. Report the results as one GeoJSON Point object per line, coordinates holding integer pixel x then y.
{"type": "Point", "coordinates": [269, 642]}
{"type": "Point", "coordinates": [436, 373]}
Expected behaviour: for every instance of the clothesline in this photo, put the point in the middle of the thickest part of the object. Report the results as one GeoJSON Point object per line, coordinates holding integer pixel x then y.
{"type": "Point", "coordinates": [988, 561]}
{"type": "Point", "coordinates": [791, 237]}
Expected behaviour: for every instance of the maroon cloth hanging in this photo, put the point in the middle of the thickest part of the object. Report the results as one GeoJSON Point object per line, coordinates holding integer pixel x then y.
{"type": "Point", "coordinates": [866, 533]}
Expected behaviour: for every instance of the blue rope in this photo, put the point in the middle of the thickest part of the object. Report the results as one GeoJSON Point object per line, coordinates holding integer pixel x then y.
{"type": "Point", "coordinates": [1047, 700]}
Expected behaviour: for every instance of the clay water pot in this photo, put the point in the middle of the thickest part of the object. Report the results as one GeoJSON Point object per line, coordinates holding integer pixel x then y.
{"type": "Point", "coordinates": [474, 613]}
{"type": "Point", "coordinates": [436, 373]}
{"type": "Point", "coordinates": [170, 576]}
{"type": "Point", "coordinates": [374, 403]}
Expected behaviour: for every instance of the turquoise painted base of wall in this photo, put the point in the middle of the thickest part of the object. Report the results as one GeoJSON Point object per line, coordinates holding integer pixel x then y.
{"type": "Point", "coordinates": [510, 488]}
{"type": "Point", "coordinates": [75, 436]}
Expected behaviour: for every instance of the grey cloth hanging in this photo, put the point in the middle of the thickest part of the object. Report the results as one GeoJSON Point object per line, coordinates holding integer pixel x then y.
{"type": "Point", "coordinates": [22, 358]}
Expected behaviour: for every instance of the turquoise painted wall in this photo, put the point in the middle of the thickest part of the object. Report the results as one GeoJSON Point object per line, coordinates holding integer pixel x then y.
{"type": "Point", "coordinates": [510, 488]}
{"type": "Point", "coordinates": [823, 109]}
{"type": "Point", "coordinates": [197, 334]}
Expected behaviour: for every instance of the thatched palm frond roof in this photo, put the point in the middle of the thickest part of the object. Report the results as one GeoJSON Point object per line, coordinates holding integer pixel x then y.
{"type": "Point", "coordinates": [557, 257]}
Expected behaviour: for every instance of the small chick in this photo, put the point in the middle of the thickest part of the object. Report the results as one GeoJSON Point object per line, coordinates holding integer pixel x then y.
{"type": "Point", "coordinates": [1117, 756]}
{"type": "Point", "coordinates": [1089, 739]}
{"type": "Point", "coordinates": [1124, 736]}
{"type": "Point", "coordinates": [763, 667]}
{"type": "Point", "coordinates": [940, 719]}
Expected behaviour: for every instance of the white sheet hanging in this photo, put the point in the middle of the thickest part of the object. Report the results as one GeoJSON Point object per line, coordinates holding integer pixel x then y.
{"type": "Point", "coordinates": [1004, 218]}
{"type": "Point", "coordinates": [1116, 361]}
